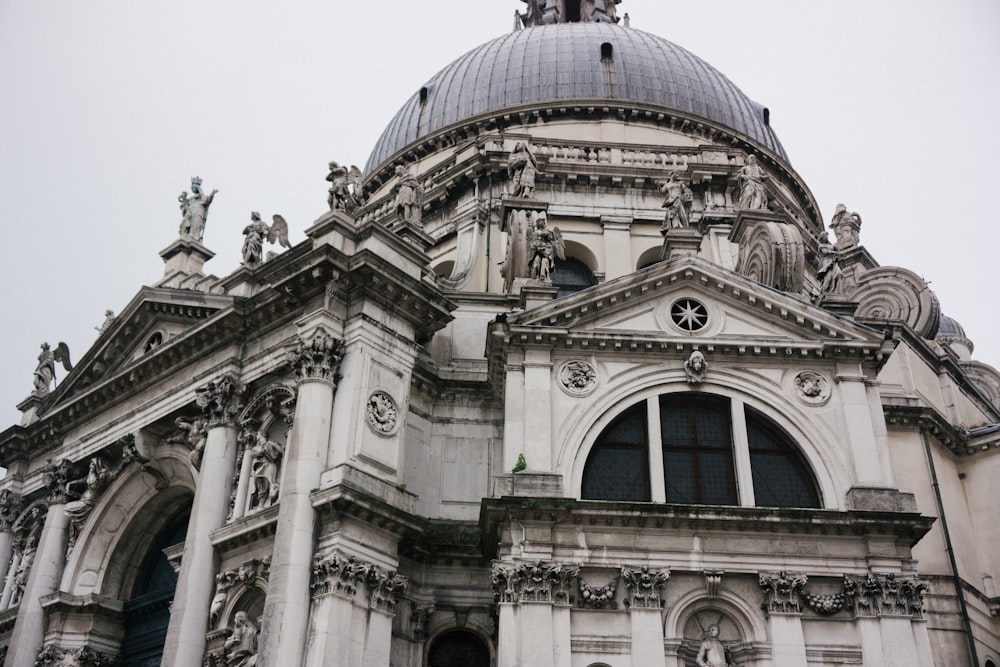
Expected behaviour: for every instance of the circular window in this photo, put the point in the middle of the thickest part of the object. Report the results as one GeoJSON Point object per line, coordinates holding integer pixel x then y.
{"type": "Point", "coordinates": [689, 315]}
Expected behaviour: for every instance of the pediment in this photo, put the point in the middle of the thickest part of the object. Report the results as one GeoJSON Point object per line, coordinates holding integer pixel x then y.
{"type": "Point", "coordinates": [690, 299]}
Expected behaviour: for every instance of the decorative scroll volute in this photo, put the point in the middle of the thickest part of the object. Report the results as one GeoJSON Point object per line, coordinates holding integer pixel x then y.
{"type": "Point", "coordinates": [318, 358]}
{"type": "Point", "coordinates": [221, 400]}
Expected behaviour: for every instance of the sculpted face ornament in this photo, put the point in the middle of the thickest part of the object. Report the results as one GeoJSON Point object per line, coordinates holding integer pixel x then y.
{"type": "Point", "coordinates": [695, 367]}
{"type": "Point", "coordinates": [812, 387]}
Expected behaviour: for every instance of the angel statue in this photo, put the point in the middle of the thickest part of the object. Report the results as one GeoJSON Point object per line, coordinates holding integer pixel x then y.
{"type": "Point", "coordinates": [345, 187]}
{"type": "Point", "coordinates": [409, 195]}
{"type": "Point", "coordinates": [257, 232]}
{"type": "Point", "coordinates": [45, 371]}
{"type": "Point", "coordinates": [544, 245]}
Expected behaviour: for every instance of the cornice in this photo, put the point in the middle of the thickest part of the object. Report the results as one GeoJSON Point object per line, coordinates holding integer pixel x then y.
{"type": "Point", "coordinates": [903, 413]}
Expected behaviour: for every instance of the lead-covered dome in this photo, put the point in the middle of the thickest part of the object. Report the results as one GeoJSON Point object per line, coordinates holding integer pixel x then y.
{"type": "Point", "coordinates": [579, 63]}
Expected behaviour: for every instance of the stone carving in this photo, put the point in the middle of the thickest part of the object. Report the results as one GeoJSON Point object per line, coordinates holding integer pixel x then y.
{"type": "Point", "coordinates": [109, 319]}
{"type": "Point", "coordinates": [338, 574]}
{"type": "Point", "coordinates": [825, 605]}
{"type": "Point", "coordinates": [812, 387]}
{"type": "Point", "coordinates": [884, 595]}
{"type": "Point", "coordinates": [194, 210]}
{"type": "Point", "coordinates": [10, 507]}
{"type": "Point", "coordinates": [781, 592]}
{"type": "Point", "coordinates": [57, 476]}
{"type": "Point", "coordinates": [346, 191]}
{"type": "Point", "coordinates": [544, 245]}
{"type": "Point", "coordinates": [383, 415]}
{"type": "Point", "coordinates": [246, 576]}
{"type": "Point", "coordinates": [847, 227]}
{"type": "Point", "coordinates": [317, 359]}
{"type": "Point", "coordinates": [578, 378]}
{"type": "Point", "coordinates": [533, 582]}
{"type": "Point", "coordinates": [712, 652]}
{"type": "Point", "coordinates": [409, 196]}
{"type": "Point", "coordinates": [265, 460]}
{"type": "Point", "coordinates": [894, 293]}
{"type": "Point", "coordinates": [713, 582]}
{"type": "Point", "coordinates": [599, 597]}
{"type": "Point", "coordinates": [828, 271]}
{"type": "Point", "coordinates": [522, 168]}
{"type": "Point", "coordinates": [420, 617]}
{"type": "Point", "coordinates": [385, 589]}
{"type": "Point", "coordinates": [772, 253]}
{"type": "Point", "coordinates": [27, 531]}
{"type": "Point", "coordinates": [644, 587]}
{"type": "Point", "coordinates": [241, 644]}
{"type": "Point", "coordinates": [220, 400]}
{"type": "Point", "coordinates": [677, 200]}
{"type": "Point", "coordinates": [536, 14]}
{"type": "Point", "coordinates": [257, 232]}
{"type": "Point", "coordinates": [515, 262]}
{"type": "Point", "coordinates": [751, 179]}
{"type": "Point", "coordinates": [82, 656]}
{"type": "Point", "coordinates": [195, 434]}
{"type": "Point", "coordinates": [45, 371]}
{"type": "Point", "coordinates": [695, 367]}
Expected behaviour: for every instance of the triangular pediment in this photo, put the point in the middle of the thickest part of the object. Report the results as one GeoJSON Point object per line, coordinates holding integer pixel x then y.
{"type": "Point", "coordinates": [691, 299]}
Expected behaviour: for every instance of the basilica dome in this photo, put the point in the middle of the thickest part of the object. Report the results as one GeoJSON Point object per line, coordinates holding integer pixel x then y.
{"type": "Point", "coordinates": [579, 63]}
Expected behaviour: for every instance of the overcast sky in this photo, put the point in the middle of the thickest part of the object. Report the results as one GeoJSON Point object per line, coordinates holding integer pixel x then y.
{"type": "Point", "coordinates": [108, 107]}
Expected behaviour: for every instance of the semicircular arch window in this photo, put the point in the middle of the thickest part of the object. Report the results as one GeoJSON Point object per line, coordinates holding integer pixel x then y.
{"type": "Point", "coordinates": [571, 276]}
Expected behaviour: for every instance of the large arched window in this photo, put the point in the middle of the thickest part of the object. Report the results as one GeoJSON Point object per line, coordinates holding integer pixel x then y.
{"type": "Point", "coordinates": [688, 448]}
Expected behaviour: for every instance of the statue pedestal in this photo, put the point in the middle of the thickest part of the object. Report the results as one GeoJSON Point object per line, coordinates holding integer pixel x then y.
{"type": "Point", "coordinates": [534, 293]}
{"type": "Point", "coordinates": [29, 409]}
{"type": "Point", "coordinates": [839, 304]}
{"type": "Point", "coordinates": [680, 241]}
{"type": "Point", "coordinates": [185, 255]}
{"type": "Point", "coordinates": [412, 232]}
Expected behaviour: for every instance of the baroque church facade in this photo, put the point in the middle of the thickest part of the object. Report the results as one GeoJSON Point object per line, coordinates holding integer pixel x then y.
{"type": "Point", "coordinates": [575, 373]}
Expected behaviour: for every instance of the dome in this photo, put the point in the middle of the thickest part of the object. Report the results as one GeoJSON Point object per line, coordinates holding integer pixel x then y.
{"type": "Point", "coordinates": [950, 331]}
{"type": "Point", "coordinates": [574, 62]}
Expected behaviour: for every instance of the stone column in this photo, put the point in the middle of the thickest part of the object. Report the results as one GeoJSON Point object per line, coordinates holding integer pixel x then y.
{"type": "Point", "coordinates": [286, 609]}
{"type": "Point", "coordinates": [534, 613]}
{"type": "Point", "coordinates": [47, 563]}
{"type": "Point", "coordinates": [221, 401]}
{"type": "Point", "coordinates": [889, 613]}
{"type": "Point", "coordinates": [782, 602]}
{"type": "Point", "coordinates": [643, 588]}
{"type": "Point", "coordinates": [10, 507]}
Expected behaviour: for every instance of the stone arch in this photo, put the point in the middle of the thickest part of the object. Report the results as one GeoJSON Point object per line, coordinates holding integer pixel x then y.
{"type": "Point", "coordinates": [459, 647]}
{"type": "Point", "coordinates": [741, 626]}
{"type": "Point", "coordinates": [648, 257]}
{"type": "Point", "coordinates": [249, 599]}
{"type": "Point", "coordinates": [580, 252]}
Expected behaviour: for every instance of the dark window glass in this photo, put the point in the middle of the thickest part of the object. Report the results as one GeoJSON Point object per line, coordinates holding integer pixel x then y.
{"type": "Point", "coordinates": [781, 476]}
{"type": "Point", "coordinates": [617, 468]}
{"type": "Point", "coordinates": [458, 649]}
{"type": "Point", "coordinates": [571, 276]}
{"type": "Point", "coordinates": [697, 450]}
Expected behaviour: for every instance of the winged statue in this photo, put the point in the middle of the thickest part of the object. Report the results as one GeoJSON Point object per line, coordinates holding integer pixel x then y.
{"type": "Point", "coordinates": [257, 232]}
{"type": "Point", "coordinates": [345, 192]}
{"type": "Point", "coordinates": [545, 244]}
{"type": "Point", "coordinates": [45, 371]}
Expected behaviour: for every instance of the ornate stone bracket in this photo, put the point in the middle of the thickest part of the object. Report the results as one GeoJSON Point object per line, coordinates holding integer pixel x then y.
{"type": "Point", "coordinates": [344, 575]}
{"type": "Point", "coordinates": [644, 587]}
{"type": "Point", "coordinates": [317, 358]}
{"type": "Point", "coordinates": [420, 618]}
{"type": "Point", "coordinates": [533, 582]}
{"type": "Point", "coordinates": [82, 656]}
{"type": "Point", "coordinates": [221, 400]}
{"type": "Point", "coordinates": [782, 592]}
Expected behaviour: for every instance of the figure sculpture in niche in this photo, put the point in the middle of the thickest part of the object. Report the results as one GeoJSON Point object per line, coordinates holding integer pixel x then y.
{"type": "Point", "coordinates": [45, 371]}
{"type": "Point", "coordinates": [712, 652]}
{"type": "Point", "coordinates": [695, 367]}
{"type": "Point", "coordinates": [257, 232]}
{"type": "Point", "coordinates": [241, 645]}
{"type": "Point", "coordinates": [195, 210]}
{"type": "Point", "coordinates": [265, 456]}
{"type": "Point", "coordinates": [847, 227]}
{"type": "Point", "coordinates": [751, 178]}
{"type": "Point", "coordinates": [409, 195]}
{"type": "Point", "coordinates": [677, 201]}
{"type": "Point", "coordinates": [544, 245]}
{"type": "Point", "coordinates": [345, 187]}
{"type": "Point", "coordinates": [522, 167]}
{"type": "Point", "coordinates": [828, 271]}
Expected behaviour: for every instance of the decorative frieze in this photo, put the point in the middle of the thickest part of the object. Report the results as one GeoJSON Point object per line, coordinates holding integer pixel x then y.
{"type": "Point", "coordinates": [599, 597]}
{"type": "Point", "coordinates": [885, 595]}
{"type": "Point", "coordinates": [782, 592]}
{"type": "Point", "coordinates": [82, 656]}
{"type": "Point", "coordinates": [318, 358]}
{"type": "Point", "coordinates": [824, 605]}
{"type": "Point", "coordinates": [533, 582]}
{"type": "Point", "coordinates": [221, 400]}
{"type": "Point", "coordinates": [644, 586]}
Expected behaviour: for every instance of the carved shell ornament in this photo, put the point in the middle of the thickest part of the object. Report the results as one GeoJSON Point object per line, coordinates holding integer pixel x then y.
{"type": "Point", "coordinates": [577, 378]}
{"type": "Point", "coordinates": [383, 415]}
{"type": "Point", "coordinates": [812, 388]}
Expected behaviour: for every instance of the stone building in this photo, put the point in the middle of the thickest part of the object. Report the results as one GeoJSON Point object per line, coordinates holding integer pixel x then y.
{"type": "Point", "coordinates": [571, 374]}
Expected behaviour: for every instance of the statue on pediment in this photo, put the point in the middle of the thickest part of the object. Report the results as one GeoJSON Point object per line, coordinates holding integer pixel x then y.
{"type": "Point", "coordinates": [751, 178]}
{"type": "Point", "coordinates": [677, 200]}
{"type": "Point", "coordinates": [45, 371]}
{"type": "Point", "coordinates": [345, 187]}
{"type": "Point", "coordinates": [259, 231]}
{"type": "Point", "coordinates": [545, 244]}
{"type": "Point", "coordinates": [194, 210]}
{"type": "Point", "coordinates": [828, 271]}
{"type": "Point", "coordinates": [109, 319]}
{"type": "Point", "coordinates": [847, 227]}
{"type": "Point", "coordinates": [409, 196]}
{"type": "Point", "coordinates": [522, 168]}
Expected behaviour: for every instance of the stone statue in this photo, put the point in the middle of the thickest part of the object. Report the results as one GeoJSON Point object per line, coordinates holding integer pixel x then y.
{"type": "Point", "coordinates": [241, 645]}
{"type": "Point", "coordinates": [535, 13]}
{"type": "Point", "coordinates": [847, 227]}
{"type": "Point", "coordinates": [828, 271]}
{"type": "Point", "coordinates": [195, 210]}
{"type": "Point", "coordinates": [522, 167]}
{"type": "Point", "coordinates": [677, 201]}
{"type": "Point", "coordinates": [712, 652]}
{"type": "Point", "coordinates": [257, 232]}
{"type": "Point", "coordinates": [223, 582]}
{"type": "Point", "coordinates": [345, 187]}
{"type": "Point", "coordinates": [695, 367]}
{"type": "Point", "coordinates": [45, 371]}
{"type": "Point", "coordinates": [265, 456]}
{"type": "Point", "coordinates": [544, 245]}
{"type": "Point", "coordinates": [109, 319]}
{"type": "Point", "coordinates": [751, 178]}
{"type": "Point", "coordinates": [197, 434]}
{"type": "Point", "coordinates": [409, 195]}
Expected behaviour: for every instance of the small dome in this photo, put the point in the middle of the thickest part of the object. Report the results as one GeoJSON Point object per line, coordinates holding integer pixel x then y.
{"type": "Point", "coordinates": [584, 63]}
{"type": "Point", "coordinates": [950, 331]}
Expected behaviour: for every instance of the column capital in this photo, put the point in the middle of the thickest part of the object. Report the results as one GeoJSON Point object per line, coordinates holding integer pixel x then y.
{"type": "Point", "coordinates": [885, 595]}
{"type": "Point", "coordinates": [57, 475]}
{"type": "Point", "coordinates": [221, 400]}
{"type": "Point", "coordinates": [533, 582]}
{"type": "Point", "coordinates": [782, 591]}
{"type": "Point", "coordinates": [317, 358]}
{"type": "Point", "coordinates": [10, 507]}
{"type": "Point", "coordinates": [644, 586]}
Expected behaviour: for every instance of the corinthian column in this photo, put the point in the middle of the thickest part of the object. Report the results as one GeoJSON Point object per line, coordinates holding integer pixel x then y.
{"type": "Point", "coordinates": [10, 507]}
{"type": "Point", "coordinates": [221, 401]}
{"type": "Point", "coordinates": [286, 609]}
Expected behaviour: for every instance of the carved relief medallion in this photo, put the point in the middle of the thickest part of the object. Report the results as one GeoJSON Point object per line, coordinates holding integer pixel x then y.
{"type": "Point", "coordinates": [577, 378]}
{"type": "Point", "coordinates": [812, 388]}
{"type": "Point", "coordinates": [383, 415]}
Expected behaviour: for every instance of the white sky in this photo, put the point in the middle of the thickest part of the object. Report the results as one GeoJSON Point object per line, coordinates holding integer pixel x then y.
{"type": "Point", "coordinates": [108, 107]}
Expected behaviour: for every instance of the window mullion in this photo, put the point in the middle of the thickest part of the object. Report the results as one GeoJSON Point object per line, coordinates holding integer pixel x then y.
{"type": "Point", "coordinates": [741, 454]}
{"type": "Point", "coordinates": [658, 487]}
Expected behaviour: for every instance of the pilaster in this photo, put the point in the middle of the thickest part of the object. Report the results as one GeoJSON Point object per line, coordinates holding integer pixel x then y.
{"type": "Point", "coordinates": [783, 606]}
{"type": "Point", "coordinates": [643, 591]}
{"type": "Point", "coordinates": [533, 600]}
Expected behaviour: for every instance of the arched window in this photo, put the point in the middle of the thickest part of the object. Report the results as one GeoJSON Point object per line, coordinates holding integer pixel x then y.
{"type": "Point", "coordinates": [458, 648]}
{"type": "Point", "coordinates": [571, 276]}
{"type": "Point", "coordinates": [690, 456]}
